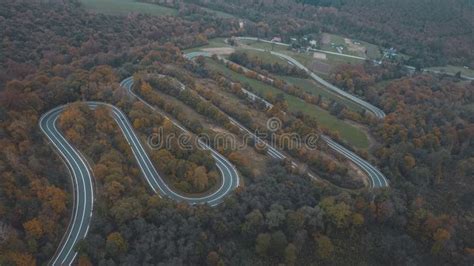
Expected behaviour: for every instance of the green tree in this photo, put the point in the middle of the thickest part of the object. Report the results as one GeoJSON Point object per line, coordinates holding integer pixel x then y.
{"type": "Point", "coordinates": [278, 243]}
{"type": "Point", "coordinates": [126, 209]}
{"type": "Point", "coordinates": [262, 244]}
{"type": "Point", "coordinates": [253, 223]}
{"type": "Point", "coordinates": [276, 216]}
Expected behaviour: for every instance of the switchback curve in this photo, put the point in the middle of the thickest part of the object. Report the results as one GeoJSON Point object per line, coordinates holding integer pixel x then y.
{"type": "Point", "coordinates": [83, 183]}
{"type": "Point", "coordinates": [376, 178]}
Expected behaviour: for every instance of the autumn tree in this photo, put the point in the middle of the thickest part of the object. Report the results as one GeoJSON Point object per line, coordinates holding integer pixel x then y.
{"type": "Point", "coordinates": [324, 246]}
{"type": "Point", "coordinates": [116, 244]}
{"type": "Point", "coordinates": [34, 228]}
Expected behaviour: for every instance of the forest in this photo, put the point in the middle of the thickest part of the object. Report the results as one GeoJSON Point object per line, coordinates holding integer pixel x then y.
{"type": "Point", "coordinates": [429, 32]}
{"type": "Point", "coordinates": [54, 52]}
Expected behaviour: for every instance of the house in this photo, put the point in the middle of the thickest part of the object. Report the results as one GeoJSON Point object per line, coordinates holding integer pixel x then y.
{"type": "Point", "coordinates": [313, 43]}
{"type": "Point", "coordinates": [391, 53]}
{"type": "Point", "coordinates": [276, 39]}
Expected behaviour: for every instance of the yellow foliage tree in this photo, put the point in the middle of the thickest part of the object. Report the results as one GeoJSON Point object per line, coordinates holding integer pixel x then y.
{"type": "Point", "coordinates": [409, 161]}
{"type": "Point", "coordinates": [324, 246]}
{"type": "Point", "coordinates": [34, 228]}
{"type": "Point", "coordinates": [22, 259]}
{"type": "Point", "coordinates": [200, 180]}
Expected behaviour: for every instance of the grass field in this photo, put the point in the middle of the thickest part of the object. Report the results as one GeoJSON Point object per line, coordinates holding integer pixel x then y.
{"type": "Point", "coordinates": [454, 70]}
{"type": "Point", "coordinates": [213, 43]}
{"type": "Point", "coordinates": [123, 7]}
{"type": "Point", "coordinates": [311, 87]}
{"type": "Point", "coordinates": [373, 50]}
{"type": "Point", "coordinates": [264, 56]}
{"type": "Point", "coordinates": [347, 132]}
{"type": "Point", "coordinates": [219, 13]}
{"type": "Point", "coordinates": [305, 84]}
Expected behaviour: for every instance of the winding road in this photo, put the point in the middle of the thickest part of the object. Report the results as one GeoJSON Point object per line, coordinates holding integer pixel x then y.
{"type": "Point", "coordinates": [369, 107]}
{"type": "Point", "coordinates": [229, 174]}
{"type": "Point", "coordinates": [82, 176]}
{"type": "Point", "coordinates": [376, 178]}
{"type": "Point", "coordinates": [128, 84]}
{"type": "Point", "coordinates": [83, 184]}
{"type": "Point", "coordinates": [82, 188]}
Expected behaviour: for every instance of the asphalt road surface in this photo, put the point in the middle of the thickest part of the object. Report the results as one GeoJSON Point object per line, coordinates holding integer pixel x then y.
{"type": "Point", "coordinates": [376, 178]}
{"type": "Point", "coordinates": [83, 184]}
{"type": "Point", "coordinates": [128, 83]}
{"type": "Point", "coordinates": [369, 107]}
{"type": "Point", "coordinates": [82, 188]}
{"type": "Point", "coordinates": [230, 176]}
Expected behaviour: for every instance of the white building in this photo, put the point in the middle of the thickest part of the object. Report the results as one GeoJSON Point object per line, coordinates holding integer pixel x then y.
{"type": "Point", "coordinates": [276, 39]}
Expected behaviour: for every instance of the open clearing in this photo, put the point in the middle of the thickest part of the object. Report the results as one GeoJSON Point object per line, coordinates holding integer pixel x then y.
{"type": "Point", "coordinates": [123, 7]}
{"type": "Point", "coordinates": [212, 43]}
{"type": "Point", "coordinates": [318, 55]}
{"type": "Point", "coordinates": [351, 46]}
{"type": "Point", "coordinates": [219, 50]}
{"type": "Point", "coordinates": [218, 13]}
{"type": "Point", "coordinates": [306, 58]}
{"type": "Point", "coordinates": [266, 57]}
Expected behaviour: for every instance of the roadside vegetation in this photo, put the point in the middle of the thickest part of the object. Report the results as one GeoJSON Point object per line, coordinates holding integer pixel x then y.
{"type": "Point", "coordinates": [201, 118]}
{"type": "Point", "coordinates": [268, 64]}
{"type": "Point", "coordinates": [320, 161]}
{"type": "Point", "coordinates": [347, 132]}
{"type": "Point", "coordinates": [316, 89]}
